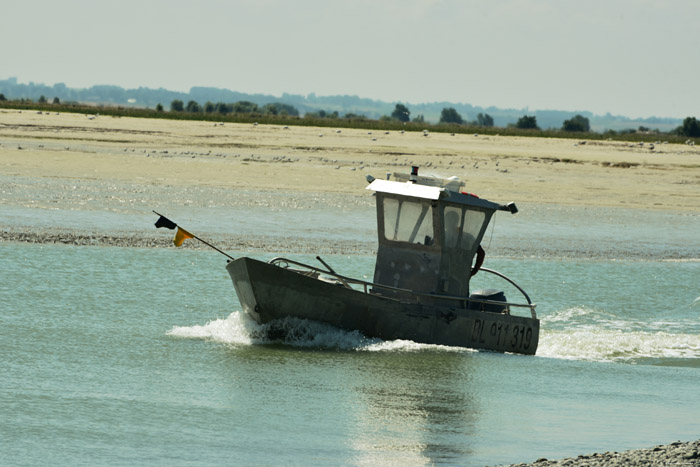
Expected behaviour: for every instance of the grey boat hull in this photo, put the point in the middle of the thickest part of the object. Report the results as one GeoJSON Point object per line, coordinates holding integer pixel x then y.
{"type": "Point", "coordinates": [268, 292]}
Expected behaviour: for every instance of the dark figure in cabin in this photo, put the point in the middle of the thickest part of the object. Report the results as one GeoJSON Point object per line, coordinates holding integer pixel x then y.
{"type": "Point", "coordinates": [452, 231]}
{"type": "Point", "coordinates": [452, 228]}
{"type": "Point", "coordinates": [480, 255]}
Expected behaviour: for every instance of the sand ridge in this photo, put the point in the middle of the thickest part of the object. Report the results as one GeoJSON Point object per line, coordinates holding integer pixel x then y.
{"type": "Point", "coordinates": [335, 160]}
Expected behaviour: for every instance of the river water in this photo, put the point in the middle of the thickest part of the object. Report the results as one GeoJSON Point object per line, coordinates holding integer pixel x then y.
{"type": "Point", "coordinates": [116, 356]}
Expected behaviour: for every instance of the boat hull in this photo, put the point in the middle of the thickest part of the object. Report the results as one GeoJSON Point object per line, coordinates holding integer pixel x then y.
{"type": "Point", "coordinates": [268, 292]}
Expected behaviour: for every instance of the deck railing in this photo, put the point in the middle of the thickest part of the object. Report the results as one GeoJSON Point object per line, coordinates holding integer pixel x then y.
{"type": "Point", "coordinates": [315, 271]}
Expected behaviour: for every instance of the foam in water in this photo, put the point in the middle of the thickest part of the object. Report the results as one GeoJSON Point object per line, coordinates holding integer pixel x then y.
{"type": "Point", "coordinates": [616, 345]}
{"type": "Point", "coordinates": [593, 335]}
{"type": "Point", "coordinates": [239, 329]}
{"type": "Point", "coordinates": [231, 330]}
{"type": "Point", "coordinates": [572, 334]}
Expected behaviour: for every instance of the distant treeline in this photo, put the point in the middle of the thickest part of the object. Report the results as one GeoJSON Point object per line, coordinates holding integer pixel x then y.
{"type": "Point", "coordinates": [322, 107]}
{"type": "Point", "coordinates": [244, 112]}
{"type": "Point", "coordinates": [240, 107]}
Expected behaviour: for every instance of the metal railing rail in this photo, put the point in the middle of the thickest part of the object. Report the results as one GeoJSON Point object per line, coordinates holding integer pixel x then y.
{"type": "Point", "coordinates": [503, 276]}
{"type": "Point", "coordinates": [346, 281]}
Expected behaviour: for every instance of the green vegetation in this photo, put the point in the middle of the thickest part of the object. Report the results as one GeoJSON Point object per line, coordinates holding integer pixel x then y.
{"type": "Point", "coordinates": [690, 127]}
{"type": "Point", "coordinates": [401, 113]}
{"type": "Point", "coordinates": [281, 109]}
{"type": "Point", "coordinates": [450, 115]}
{"type": "Point", "coordinates": [193, 107]}
{"type": "Point", "coordinates": [484, 120]}
{"type": "Point", "coordinates": [284, 114]}
{"type": "Point", "coordinates": [527, 123]}
{"type": "Point", "coordinates": [177, 106]}
{"type": "Point", "coordinates": [578, 123]}
{"type": "Point", "coordinates": [428, 112]}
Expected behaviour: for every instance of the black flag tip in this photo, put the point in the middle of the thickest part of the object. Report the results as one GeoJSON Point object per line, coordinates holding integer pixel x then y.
{"type": "Point", "coordinates": [164, 222]}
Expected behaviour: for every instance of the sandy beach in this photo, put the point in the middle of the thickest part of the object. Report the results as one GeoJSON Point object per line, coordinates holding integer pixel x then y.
{"type": "Point", "coordinates": [59, 168]}
{"type": "Point", "coordinates": [233, 157]}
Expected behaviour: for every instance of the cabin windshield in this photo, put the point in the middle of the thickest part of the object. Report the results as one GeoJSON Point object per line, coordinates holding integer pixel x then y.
{"type": "Point", "coordinates": [462, 226]}
{"type": "Point", "coordinates": [408, 221]}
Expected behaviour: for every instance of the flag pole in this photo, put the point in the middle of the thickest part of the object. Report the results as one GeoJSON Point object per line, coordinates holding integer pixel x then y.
{"type": "Point", "coordinates": [165, 222]}
{"type": "Point", "coordinates": [215, 248]}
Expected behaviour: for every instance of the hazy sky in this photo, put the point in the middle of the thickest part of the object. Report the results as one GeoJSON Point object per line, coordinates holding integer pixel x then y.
{"type": "Point", "coordinates": [637, 58]}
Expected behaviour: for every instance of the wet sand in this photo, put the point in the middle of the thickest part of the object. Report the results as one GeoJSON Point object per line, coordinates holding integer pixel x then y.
{"type": "Point", "coordinates": [89, 179]}
{"type": "Point", "coordinates": [327, 160]}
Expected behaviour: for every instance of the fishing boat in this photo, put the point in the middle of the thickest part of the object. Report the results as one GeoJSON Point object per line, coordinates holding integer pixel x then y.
{"type": "Point", "coordinates": [429, 232]}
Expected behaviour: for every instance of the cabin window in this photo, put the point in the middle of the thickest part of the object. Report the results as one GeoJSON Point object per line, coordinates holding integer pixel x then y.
{"type": "Point", "coordinates": [473, 220]}
{"type": "Point", "coordinates": [462, 226]}
{"type": "Point", "coordinates": [408, 221]}
{"type": "Point", "coordinates": [453, 225]}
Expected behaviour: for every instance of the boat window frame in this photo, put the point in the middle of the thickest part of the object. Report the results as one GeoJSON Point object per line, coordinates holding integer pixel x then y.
{"type": "Point", "coordinates": [476, 235]}
{"type": "Point", "coordinates": [450, 242]}
{"type": "Point", "coordinates": [428, 213]}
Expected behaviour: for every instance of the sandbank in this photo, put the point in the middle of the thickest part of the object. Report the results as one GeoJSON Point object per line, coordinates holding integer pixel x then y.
{"type": "Point", "coordinates": [94, 180]}
{"type": "Point", "coordinates": [327, 160]}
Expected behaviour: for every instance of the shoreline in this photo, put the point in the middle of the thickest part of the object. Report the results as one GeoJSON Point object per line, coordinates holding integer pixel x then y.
{"type": "Point", "coordinates": [676, 453]}
{"type": "Point", "coordinates": [294, 245]}
{"type": "Point", "coordinates": [94, 181]}
{"type": "Point", "coordinates": [227, 158]}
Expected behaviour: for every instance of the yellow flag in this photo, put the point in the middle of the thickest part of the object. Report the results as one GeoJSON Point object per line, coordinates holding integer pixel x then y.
{"type": "Point", "coordinates": [181, 235]}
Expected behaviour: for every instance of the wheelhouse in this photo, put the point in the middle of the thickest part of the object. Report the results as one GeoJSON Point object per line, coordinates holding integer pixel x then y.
{"type": "Point", "coordinates": [428, 233]}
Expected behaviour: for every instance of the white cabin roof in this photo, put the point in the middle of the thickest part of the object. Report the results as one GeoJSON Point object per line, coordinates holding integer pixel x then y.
{"type": "Point", "coordinates": [406, 189]}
